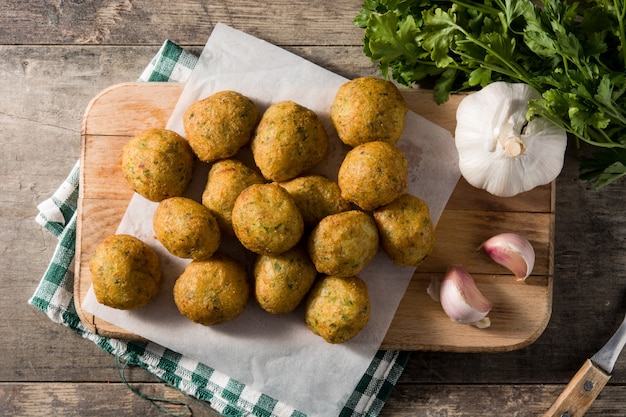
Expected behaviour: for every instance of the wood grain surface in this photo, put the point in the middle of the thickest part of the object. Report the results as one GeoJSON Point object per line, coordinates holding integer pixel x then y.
{"type": "Point", "coordinates": [521, 310]}
{"type": "Point", "coordinates": [55, 56]}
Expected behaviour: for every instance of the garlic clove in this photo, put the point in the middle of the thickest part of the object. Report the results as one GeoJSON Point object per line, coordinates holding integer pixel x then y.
{"type": "Point", "coordinates": [461, 299]}
{"type": "Point", "coordinates": [512, 251]}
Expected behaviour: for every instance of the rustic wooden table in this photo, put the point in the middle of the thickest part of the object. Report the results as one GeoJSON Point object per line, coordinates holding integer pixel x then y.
{"type": "Point", "coordinates": [55, 56]}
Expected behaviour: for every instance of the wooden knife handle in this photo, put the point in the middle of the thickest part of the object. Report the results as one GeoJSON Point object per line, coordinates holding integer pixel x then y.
{"type": "Point", "coordinates": [580, 393]}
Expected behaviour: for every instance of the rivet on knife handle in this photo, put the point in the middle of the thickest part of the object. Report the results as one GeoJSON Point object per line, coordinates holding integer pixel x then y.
{"type": "Point", "coordinates": [580, 392]}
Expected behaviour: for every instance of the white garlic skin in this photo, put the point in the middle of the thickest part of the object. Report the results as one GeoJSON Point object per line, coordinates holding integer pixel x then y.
{"type": "Point", "coordinates": [513, 252]}
{"type": "Point", "coordinates": [499, 150]}
{"type": "Point", "coordinates": [461, 299]}
{"type": "Point", "coordinates": [434, 289]}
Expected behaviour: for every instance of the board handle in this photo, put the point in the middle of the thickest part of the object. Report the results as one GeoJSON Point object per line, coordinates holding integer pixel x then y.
{"type": "Point", "coordinates": [580, 393]}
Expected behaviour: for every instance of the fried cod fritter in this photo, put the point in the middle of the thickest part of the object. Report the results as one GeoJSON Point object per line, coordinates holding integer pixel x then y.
{"type": "Point", "coordinates": [368, 109]}
{"type": "Point", "coordinates": [186, 228]}
{"type": "Point", "coordinates": [338, 308]}
{"type": "Point", "coordinates": [219, 125]}
{"type": "Point", "coordinates": [125, 271]}
{"type": "Point", "coordinates": [343, 244]}
{"type": "Point", "coordinates": [226, 180]}
{"type": "Point", "coordinates": [213, 291]}
{"type": "Point", "coordinates": [316, 197]}
{"type": "Point", "coordinates": [158, 164]}
{"type": "Point", "coordinates": [266, 219]}
{"type": "Point", "coordinates": [282, 281]}
{"type": "Point", "coordinates": [407, 233]}
{"type": "Point", "coordinates": [289, 140]}
{"type": "Point", "coordinates": [373, 174]}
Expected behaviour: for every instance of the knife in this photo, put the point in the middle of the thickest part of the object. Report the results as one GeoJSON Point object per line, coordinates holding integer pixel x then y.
{"type": "Point", "coordinates": [590, 379]}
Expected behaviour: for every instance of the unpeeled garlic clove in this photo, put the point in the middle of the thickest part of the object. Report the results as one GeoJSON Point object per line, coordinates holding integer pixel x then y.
{"type": "Point", "coordinates": [461, 299]}
{"type": "Point", "coordinates": [512, 251]}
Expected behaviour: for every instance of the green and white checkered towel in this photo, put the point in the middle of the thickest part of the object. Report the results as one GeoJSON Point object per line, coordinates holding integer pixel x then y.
{"type": "Point", "coordinates": [54, 296]}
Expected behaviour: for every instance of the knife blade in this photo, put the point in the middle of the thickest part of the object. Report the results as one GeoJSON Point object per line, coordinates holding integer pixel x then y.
{"type": "Point", "coordinates": [590, 379]}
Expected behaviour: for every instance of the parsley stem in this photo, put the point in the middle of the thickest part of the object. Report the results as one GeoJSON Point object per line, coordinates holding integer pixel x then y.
{"type": "Point", "coordinates": [518, 71]}
{"type": "Point", "coordinates": [620, 11]}
{"type": "Point", "coordinates": [602, 140]}
{"type": "Point", "coordinates": [500, 70]}
{"type": "Point", "coordinates": [472, 5]}
{"type": "Point", "coordinates": [454, 65]}
{"type": "Point", "coordinates": [594, 137]}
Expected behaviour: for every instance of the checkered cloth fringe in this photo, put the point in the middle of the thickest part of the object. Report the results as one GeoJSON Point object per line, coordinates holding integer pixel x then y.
{"type": "Point", "coordinates": [54, 296]}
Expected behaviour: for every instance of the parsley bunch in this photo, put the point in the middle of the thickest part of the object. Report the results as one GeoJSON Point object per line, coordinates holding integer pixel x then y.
{"type": "Point", "coordinates": [574, 55]}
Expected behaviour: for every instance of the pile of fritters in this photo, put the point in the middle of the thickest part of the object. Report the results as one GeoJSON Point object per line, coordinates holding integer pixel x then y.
{"type": "Point", "coordinates": [311, 236]}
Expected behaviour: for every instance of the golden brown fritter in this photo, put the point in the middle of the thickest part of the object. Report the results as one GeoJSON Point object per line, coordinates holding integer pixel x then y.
{"type": "Point", "coordinates": [316, 197]}
{"type": "Point", "coordinates": [226, 180]}
{"type": "Point", "coordinates": [289, 140]}
{"type": "Point", "coordinates": [368, 109]}
{"type": "Point", "coordinates": [266, 219]}
{"type": "Point", "coordinates": [158, 164]}
{"type": "Point", "coordinates": [125, 271]}
{"type": "Point", "coordinates": [186, 228]}
{"type": "Point", "coordinates": [344, 243]}
{"type": "Point", "coordinates": [219, 125]}
{"type": "Point", "coordinates": [213, 291]}
{"type": "Point", "coordinates": [282, 281]}
{"type": "Point", "coordinates": [338, 308]}
{"type": "Point", "coordinates": [373, 174]}
{"type": "Point", "coordinates": [407, 233]}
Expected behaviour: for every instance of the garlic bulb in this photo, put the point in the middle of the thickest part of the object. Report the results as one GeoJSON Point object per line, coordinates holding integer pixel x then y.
{"type": "Point", "coordinates": [512, 251]}
{"type": "Point", "coordinates": [499, 149]}
{"type": "Point", "coordinates": [461, 299]}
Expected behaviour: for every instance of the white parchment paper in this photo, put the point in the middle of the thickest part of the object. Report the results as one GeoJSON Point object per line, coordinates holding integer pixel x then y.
{"type": "Point", "coordinates": [278, 355]}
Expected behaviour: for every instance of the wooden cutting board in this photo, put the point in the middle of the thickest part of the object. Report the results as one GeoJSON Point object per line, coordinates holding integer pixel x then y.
{"type": "Point", "coordinates": [521, 309]}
